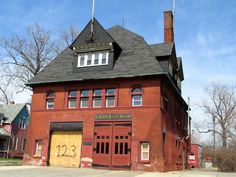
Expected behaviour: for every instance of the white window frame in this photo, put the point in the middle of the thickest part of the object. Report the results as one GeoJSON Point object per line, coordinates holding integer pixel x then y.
{"type": "Point", "coordinates": [93, 58]}
{"type": "Point", "coordinates": [140, 100]}
{"type": "Point", "coordinates": [22, 122]}
{"type": "Point", "coordinates": [23, 144]}
{"type": "Point", "coordinates": [109, 96]}
{"type": "Point", "coordinates": [37, 148]}
{"type": "Point", "coordinates": [72, 98]}
{"type": "Point", "coordinates": [15, 143]}
{"type": "Point", "coordinates": [148, 151]}
{"type": "Point", "coordinates": [1, 119]}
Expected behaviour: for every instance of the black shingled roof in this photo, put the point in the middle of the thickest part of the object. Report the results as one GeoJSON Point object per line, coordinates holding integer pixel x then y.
{"type": "Point", "coordinates": [136, 59]}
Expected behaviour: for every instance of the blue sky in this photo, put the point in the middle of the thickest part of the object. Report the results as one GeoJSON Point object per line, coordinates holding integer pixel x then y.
{"type": "Point", "coordinates": [205, 34]}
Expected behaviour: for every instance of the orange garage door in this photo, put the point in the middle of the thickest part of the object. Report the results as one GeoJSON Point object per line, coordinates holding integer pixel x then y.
{"type": "Point", "coordinates": [65, 150]}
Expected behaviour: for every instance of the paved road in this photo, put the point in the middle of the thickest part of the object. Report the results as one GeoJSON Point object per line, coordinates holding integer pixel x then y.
{"type": "Point", "coordinates": [28, 171]}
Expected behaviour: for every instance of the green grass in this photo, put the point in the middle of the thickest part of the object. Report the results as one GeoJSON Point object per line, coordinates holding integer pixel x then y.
{"type": "Point", "coordinates": [10, 161]}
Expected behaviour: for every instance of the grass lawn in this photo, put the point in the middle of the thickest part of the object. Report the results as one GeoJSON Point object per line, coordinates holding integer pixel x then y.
{"type": "Point", "coordinates": [10, 161]}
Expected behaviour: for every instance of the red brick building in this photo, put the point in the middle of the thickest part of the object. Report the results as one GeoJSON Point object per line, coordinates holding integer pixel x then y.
{"type": "Point", "coordinates": [195, 156]}
{"type": "Point", "coordinates": [110, 101]}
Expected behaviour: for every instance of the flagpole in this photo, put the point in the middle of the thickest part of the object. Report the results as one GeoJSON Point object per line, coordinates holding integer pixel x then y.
{"type": "Point", "coordinates": [92, 22]}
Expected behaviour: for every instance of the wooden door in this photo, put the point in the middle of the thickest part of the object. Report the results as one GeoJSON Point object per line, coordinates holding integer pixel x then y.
{"type": "Point", "coordinates": [121, 146]}
{"type": "Point", "coordinates": [65, 149]}
{"type": "Point", "coordinates": [112, 145]}
{"type": "Point", "coordinates": [102, 145]}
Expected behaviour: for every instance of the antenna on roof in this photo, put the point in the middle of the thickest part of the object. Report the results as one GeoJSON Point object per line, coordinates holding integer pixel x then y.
{"type": "Point", "coordinates": [123, 22]}
{"type": "Point", "coordinates": [92, 21]}
{"type": "Point", "coordinates": [173, 10]}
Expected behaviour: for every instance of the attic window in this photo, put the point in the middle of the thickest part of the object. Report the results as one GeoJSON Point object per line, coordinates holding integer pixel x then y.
{"type": "Point", "coordinates": [95, 59]}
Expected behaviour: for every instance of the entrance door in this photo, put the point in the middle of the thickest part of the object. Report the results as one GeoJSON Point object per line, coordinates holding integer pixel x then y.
{"type": "Point", "coordinates": [121, 145]}
{"type": "Point", "coordinates": [112, 145]}
{"type": "Point", "coordinates": [65, 148]}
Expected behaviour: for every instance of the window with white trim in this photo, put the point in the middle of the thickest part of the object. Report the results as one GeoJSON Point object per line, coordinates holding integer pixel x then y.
{"type": "Point", "coordinates": [15, 143]}
{"type": "Point", "coordinates": [72, 97]}
{"type": "Point", "coordinates": [97, 98]}
{"type": "Point", "coordinates": [93, 59]}
{"type": "Point", "coordinates": [38, 148]}
{"type": "Point", "coordinates": [145, 151]}
{"type": "Point", "coordinates": [84, 99]}
{"type": "Point", "coordinates": [110, 97]}
{"type": "Point", "coordinates": [22, 123]}
{"type": "Point", "coordinates": [1, 119]}
{"type": "Point", "coordinates": [136, 96]}
{"type": "Point", "coordinates": [23, 144]}
{"type": "Point", "coordinates": [50, 100]}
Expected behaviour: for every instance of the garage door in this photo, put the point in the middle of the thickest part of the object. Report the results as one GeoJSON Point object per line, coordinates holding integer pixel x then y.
{"type": "Point", "coordinates": [65, 148]}
{"type": "Point", "coordinates": [112, 145]}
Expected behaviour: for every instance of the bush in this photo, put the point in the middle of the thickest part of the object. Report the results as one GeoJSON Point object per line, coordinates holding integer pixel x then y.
{"type": "Point", "coordinates": [226, 159]}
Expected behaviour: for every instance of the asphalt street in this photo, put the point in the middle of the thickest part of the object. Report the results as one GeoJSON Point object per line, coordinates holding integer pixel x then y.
{"type": "Point", "coordinates": [29, 171]}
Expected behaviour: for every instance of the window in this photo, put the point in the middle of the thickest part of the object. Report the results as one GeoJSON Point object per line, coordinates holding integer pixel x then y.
{"type": "Point", "coordinates": [97, 98]}
{"type": "Point", "coordinates": [15, 143]}
{"type": "Point", "coordinates": [104, 58]}
{"type": "Point", "coordinates": [110, 97]}
{"type": "Point", "coordinates": [89, 59]}
{"type": "Point", "coordinates": [22, 123]}
{"type": "Point", "coordinates": [1, 119]}
{"type": "Point", "coordinates": [170, 69]}
{"type": "Point", "coordinates": [82, 58]}
{"type": "Point", "coordinates": [23, 144]}
{"type": "Point", "coordinates": [137, 97]}
{"type": "Point", "coordinates": [94, 59]}
{"type": "Point", "coordinates": [72, 97]}
{"type": "Point", "coordinates": [145, 151]}
{"type": "Point", "coordinates": [50, 100]}
{"type": "Point", "coordinates": [39, 147]}
{"type": "Point", "coordinates": [84, 98]}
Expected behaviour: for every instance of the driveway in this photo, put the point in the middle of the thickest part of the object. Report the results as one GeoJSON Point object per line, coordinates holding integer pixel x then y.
{"type": "Point", "coordinates": [29, 171]}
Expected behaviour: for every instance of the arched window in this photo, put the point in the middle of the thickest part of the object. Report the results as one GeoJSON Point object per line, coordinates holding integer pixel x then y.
{"type": "Point", "coordinates": [137, 96]}
{"type": "Point", "coordinates": [50, 100]}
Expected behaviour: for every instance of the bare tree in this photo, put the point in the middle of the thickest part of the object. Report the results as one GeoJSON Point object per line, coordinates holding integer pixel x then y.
{"type": "Point", "coordinates": [26, 56]}
{"type": "Point", "coordinates": [5, 92]}
{"type": "Point", "coordinates": [221, 109]}
{"type": "Point", "coordinates": [69, 36]}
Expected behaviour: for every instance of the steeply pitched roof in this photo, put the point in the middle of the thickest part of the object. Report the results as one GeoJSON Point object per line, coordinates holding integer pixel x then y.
{"type": "Point", "coordinates": [136, 59]}
{"type": "Point", "coordinates": [164, 49]}
{"type": "Point", "coordinates": [10, 111]}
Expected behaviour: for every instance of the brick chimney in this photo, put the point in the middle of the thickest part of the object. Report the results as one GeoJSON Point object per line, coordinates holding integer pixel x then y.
{"type": "Point", "coordinates": [168, 27]}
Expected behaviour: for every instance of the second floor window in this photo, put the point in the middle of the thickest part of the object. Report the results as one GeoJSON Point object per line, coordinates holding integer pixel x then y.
{"type": "Point", "coordinates": [50, 100]}
{"type": "Point", "coordinates": [110, 97]}
{"type": "Point", "coordinates": [137, 97]}
{"type": "Point", "coordinates": [97, 98]}
{"type": "Point", "coordinates": [22, 123]}
{"type": "Point", "coordinates": [72, 97]}
{"type": "Point", "coordinates": [84, 99]}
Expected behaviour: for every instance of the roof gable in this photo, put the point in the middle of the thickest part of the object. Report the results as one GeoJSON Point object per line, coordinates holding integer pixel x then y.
{"type": "Point", "coordinates": [86, 38]}
{"type": "Point", "coordinates": [10, 111]}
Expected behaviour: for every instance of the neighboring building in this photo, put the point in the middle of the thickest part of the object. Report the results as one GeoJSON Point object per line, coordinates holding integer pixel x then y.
{"type": "Point", "coordinates": [110, 101]}
{"type": "Point", "coordinates": [195, 156]}
{"type": "Point", "coordinates": [14, 119]}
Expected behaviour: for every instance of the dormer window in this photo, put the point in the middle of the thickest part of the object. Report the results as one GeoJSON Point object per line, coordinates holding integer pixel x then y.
{"type": "Point", "coordinates": [93, 59]}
